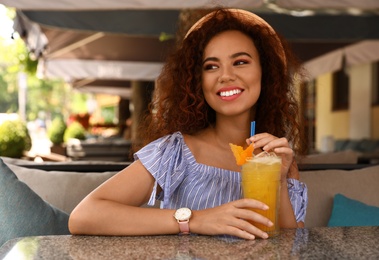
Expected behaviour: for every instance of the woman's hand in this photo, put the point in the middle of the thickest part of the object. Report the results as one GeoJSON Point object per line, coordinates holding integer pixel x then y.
{"type": "Point", "coordinates": [231, 219]}
{"type": "Point", "coordinates": [280, 146]}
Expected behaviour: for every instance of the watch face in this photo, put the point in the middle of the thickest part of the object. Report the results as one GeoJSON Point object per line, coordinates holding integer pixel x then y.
{"type": "Point", "coordinates": [183, 214]}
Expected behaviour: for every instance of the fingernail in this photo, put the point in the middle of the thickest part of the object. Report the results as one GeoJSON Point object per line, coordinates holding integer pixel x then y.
{"type": "Point", "coordinates": [270, 223]}
{"type": "Point", "coordinates": [265, 235]}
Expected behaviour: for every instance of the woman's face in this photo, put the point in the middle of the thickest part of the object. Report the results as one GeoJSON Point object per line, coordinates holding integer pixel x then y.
{"type": "Point", "coordinates": [231, 73]}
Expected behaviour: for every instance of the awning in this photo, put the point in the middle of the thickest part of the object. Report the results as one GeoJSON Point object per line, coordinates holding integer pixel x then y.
{"type": "Point", "coordinates": [323, 28]}
{"type": "Point", "coordinates": [75, 5]}
{"type": "Point", "coordinates": [355, 54]}
{"type": "Point", "coordinates": [107, 39]}
{"type": "Point", "coordinates": [120, 88]}
{"type": "Point", "coordinates": [71, 69]}
{"type": "Point", "coordinates": [84, 52]}
{"type": "Point", "coordinates": [328, 4]}
{"type": "Point", "coordinates": [80, 54]}
{"type": "Point", "coordinates": [176, 4]}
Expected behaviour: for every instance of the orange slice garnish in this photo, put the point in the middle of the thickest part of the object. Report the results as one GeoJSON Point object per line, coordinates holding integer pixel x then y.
{"type": "Point", "coordinates": [240, 154]}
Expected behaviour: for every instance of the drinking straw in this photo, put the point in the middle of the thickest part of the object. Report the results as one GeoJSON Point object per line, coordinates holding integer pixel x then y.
{"type": "Point", "coordinates": [252, 128]}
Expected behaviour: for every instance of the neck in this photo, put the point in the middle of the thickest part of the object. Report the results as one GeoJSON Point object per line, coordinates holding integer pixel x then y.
{"type": "Point", "coordinates": [232, 130]}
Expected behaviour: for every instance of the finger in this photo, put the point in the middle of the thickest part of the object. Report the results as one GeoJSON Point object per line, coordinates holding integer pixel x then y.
{"type": "Point", "coordinates": [245, 211]}
{"type": "Point", "coordinates": [275, 143]}
{"type": "Point", "coordinates": [250, 215]}
{"type": "Point", "coordinates": [249, 203]}
{"type": "Point", "coordinates": [248, 227]}
{"type": "Point", "coordinates": [264, 141]}
{"type": "Point", "coordinates": [261, 136]}
{"type": "Point", "coordinates": [269, 142]}
{"type": "Point", "coordinates": [245, 229]}
{"type": "Point", "coordinates": [284, 151]}
{"type": "Point", "coordinates": [234, 231]}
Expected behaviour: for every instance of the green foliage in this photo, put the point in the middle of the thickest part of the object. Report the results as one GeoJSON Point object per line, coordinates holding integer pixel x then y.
{"type": "Point", "coordinates": [75, 130]}
{"type": "Point", "coordinates": [48, 95]}
{"type": "Point", "coordinates": [14, 139]}
{"type": "Point", "coordinates": [109, 114]}
{"type": "Point", "coordinates": [30, 65]}
{"type": "Point", "coordinates": [78, 102]}
{"type": "Point", "coordinates": [9, 69]}
{"type": "Point", "coordinates": [8, 97]}
{"type": "Point", "coordinates": [56, 130]}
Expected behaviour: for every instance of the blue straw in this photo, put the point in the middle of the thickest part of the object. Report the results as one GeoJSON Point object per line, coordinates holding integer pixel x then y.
{"type": "Point", "coordinates": [252, 128]}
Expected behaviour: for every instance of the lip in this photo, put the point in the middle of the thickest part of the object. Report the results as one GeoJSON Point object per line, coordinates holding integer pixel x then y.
{"type": "Point", "coordinates": [228, 89]}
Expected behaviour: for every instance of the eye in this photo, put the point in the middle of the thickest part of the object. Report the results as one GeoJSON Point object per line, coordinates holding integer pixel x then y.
{"type": "Point", "coordinates": [210, 66]}
{"type": "Point", "coordinates": [240, 62]}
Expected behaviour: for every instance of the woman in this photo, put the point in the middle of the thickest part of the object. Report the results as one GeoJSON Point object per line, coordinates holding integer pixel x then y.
{"type": "Point", "coordinates": [230, 69]}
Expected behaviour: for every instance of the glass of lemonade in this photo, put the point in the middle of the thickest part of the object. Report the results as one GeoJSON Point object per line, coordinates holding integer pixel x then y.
{"type": "Point", "coordinates": [261, 181]}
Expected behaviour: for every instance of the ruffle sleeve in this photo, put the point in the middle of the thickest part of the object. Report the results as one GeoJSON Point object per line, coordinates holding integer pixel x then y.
{"type": "Point", "coordinates": [164, 159]}
{"type": "Point", "coordinates": [298, 193]}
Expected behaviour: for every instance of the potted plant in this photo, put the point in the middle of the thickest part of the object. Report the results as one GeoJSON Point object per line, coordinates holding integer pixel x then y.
{"type": "Point", "coordinates": [74, 130]}
{"type": "Point", "coordinates": [14, 139]}
{"type": "Point", "coordinates": [56, 135]}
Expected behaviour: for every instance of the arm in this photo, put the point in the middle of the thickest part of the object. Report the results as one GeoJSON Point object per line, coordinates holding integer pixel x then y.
{"type": "Point", "coordinates": [114, 209]}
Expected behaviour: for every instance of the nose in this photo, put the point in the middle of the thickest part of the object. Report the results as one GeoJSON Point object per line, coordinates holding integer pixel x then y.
{"type": "Point", "coordinates": [227, 74]}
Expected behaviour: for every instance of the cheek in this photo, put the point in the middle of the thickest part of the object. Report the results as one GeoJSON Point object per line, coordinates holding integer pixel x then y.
{"type": "Point", "coordinates": [256, 90]}
{"type": "Point", "coordinates": [256, 77]}
{"type": "Point", "coordinates": [206, 83]}
{"type": "Point", "coordinates": [207, 95]}
{"type": "Point", "coordinates": [256, 82]}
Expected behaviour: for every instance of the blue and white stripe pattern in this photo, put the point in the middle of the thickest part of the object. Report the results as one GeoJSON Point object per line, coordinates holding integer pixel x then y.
{"type": "Point", "coordinates": [186, 183]}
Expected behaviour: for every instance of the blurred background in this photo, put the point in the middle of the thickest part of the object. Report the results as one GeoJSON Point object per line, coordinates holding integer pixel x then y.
{"type": "Point", "coordinates": [76, 77]}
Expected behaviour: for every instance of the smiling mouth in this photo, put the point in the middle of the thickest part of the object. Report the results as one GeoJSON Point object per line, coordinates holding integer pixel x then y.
{"type": "Point", "coordinates": [230, 93]}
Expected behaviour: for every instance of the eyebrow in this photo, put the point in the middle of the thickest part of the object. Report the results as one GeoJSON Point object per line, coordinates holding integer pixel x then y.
{"type": "Point", "coordinates": [235, 55]}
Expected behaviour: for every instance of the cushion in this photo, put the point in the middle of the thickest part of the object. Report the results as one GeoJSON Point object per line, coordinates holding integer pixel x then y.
{"type": "Point", "coordinates": [23, 212]}
{"type": "Point", "coordinates": [323, 185]}
{"type": "Point", "coordinates": [63, 189]}
{"type": "Point", "coordinates": [350, 212]}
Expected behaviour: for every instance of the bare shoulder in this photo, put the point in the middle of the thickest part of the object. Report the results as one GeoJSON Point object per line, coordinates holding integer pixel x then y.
{"type": "Point", "coordinates": [132, 185]}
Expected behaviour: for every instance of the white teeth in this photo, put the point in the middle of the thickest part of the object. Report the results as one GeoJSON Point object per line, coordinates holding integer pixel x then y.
{"type": "Point", "coordinates": [230, 92]}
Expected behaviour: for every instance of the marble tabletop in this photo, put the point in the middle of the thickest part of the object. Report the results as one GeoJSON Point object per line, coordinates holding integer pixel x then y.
{"type": "Point", "coordinates": [312, 243]}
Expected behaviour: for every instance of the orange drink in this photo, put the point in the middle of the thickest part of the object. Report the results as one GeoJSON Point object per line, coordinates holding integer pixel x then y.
{"type": "Point", "coordinates": [261, 181]}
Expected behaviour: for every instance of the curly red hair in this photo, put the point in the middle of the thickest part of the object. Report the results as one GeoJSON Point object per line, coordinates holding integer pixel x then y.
{"type": "Point", "coordinates": [179, 104]}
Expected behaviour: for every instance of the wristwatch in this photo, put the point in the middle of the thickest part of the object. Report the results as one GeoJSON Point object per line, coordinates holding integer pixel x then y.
{"type": "Point", "coordinates": [183, 216]}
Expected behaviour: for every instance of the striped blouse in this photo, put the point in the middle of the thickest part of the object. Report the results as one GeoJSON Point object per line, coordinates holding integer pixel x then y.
{"type": "Point", "coordinates": [186, 183]}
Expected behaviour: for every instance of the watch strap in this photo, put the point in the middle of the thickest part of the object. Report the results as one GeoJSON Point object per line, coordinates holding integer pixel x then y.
{"type": "Point", "coordinates": [184, 227]}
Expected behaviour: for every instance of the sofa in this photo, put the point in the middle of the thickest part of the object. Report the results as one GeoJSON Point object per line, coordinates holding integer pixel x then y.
{"type": "Point", "coordinates": [57, 192]}
{"type": "Point", "coordinates": [360, 191]}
